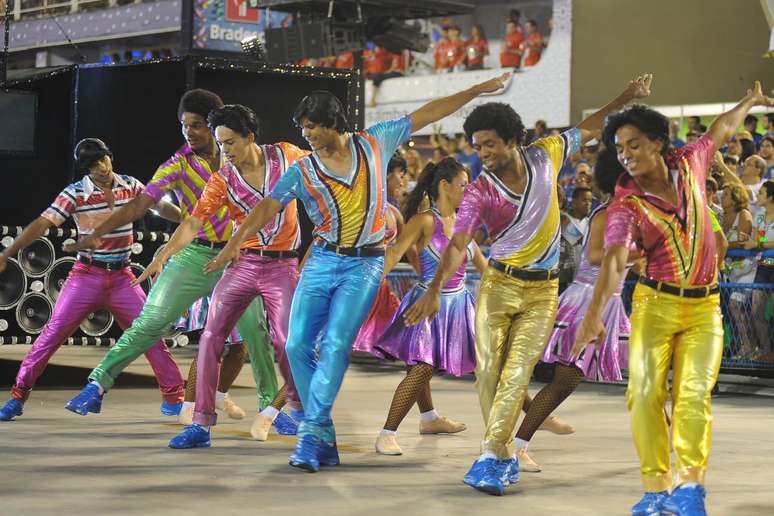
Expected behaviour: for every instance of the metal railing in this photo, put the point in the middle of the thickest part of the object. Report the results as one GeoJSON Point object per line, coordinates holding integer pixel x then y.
{"type": "Point", "coordinates": [39, 8]}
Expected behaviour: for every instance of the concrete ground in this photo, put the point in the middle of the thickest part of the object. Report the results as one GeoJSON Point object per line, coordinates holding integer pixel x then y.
{"type": "Point", "coordinates": [117, 462]}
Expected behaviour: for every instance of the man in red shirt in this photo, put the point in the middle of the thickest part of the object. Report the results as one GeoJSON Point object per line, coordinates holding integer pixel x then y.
{"type": "Point", "coordinates": [534, 44]}
{"type": "Point", "coordinates": [451, 52]}
{"type": "Point", "coordinates": [510, 57]}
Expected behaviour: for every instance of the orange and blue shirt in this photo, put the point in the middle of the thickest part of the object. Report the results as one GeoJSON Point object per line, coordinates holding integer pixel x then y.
{"type": "Point", "coordinates": [228, 188]}
{"type": "Point", "coordinates": [185, 174]}
{"type": "Point", "coordinates": [348, 211]}
{"type": "Point", "coordinates": [678, 241]}
{"type": "Point", "coordinates": [87, 204]}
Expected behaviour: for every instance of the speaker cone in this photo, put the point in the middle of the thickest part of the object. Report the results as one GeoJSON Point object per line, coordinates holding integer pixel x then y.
{"type": "Point", "coordinates": [13, 284]}
{"type": "Point", "coordinates": [37, 258]}
{"type": "Point", "coordinates": [97, 323]}
{"type": "Point", "coordinates": [57, 276]}
{"type": "Point", "coordinates": [138, 269]}
{"type": "Point", "coordinates": [33, 312]}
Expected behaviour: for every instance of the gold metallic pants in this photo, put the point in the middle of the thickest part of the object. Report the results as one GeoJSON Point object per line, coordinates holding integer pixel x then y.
{"type": "Point", "coordinates": [514, 319]}
{"type": "Point", "coordinates": [688, 334]}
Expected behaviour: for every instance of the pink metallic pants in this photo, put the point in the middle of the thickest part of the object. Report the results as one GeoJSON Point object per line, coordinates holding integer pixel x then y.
{"type": "Point", "coordinates": [89, 288]}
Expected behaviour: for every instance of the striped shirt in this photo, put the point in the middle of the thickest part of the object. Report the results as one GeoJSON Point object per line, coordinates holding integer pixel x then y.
{"type": "Point", "coordinates": [86, 203]}
{"type": "Point", "coordinates": [185, 174]}
{"type": "Point", "coordinates": [227, 187]}
{"type": "Point", "coordinates": [349, 211]}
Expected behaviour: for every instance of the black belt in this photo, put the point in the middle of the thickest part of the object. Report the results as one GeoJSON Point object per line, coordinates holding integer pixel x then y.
{"type": "Point", "coordinates": [272, 254]}
{"type": "Point", "coordinates": [696, 292]}
{"type": "Point", "coordinates": [352, 251]}
{"type": "Point", "coordinates": [525, 274]}
{"type": "Point", "coordinates": [110, 266]}
{"type": "Point", "coordinates": [207, 243]}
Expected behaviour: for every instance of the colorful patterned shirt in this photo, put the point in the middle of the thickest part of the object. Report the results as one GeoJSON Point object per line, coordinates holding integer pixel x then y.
{"type": "Point", "coordinates": [348, 211]}
{"type": "Point", "coordinates": [678, 241]}
{"type": "Point", "coordinates": [228, 188]}
{"type": "Point", "coordinates": [524, 228]}
{"type": "Point", "coordinates": [86, 202]}
{"type": "Point", "coordinates": [185, 174]}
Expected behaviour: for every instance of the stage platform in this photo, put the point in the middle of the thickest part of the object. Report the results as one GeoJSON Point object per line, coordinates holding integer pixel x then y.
{"type": "Point", "coordinates": [117, 462]}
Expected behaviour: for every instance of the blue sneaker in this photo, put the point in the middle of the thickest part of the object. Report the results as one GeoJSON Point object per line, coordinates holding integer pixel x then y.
{"type": "Point", "coordinates": [650, 505]}
{"type": "Point", "coordinates": [485, 475]}
{"type": "Point", "coordinates": [509, 471]}
{"type": "Point", "coordinates": [297, 415]}
{"type": "Point", "coordinates": [328, 454]}
{"type": "Point", "coordinates": [306, 454]}
{"type": "Point", "coordinates": [11, 409]}
{"type": "Point", "coordinates": [285, 425]}
{"type": "Point", "coordinates": [171, 409]}
{"type": "Point", "coordinates": [194, 436]}
{"type": "Point", "coordinates": [685, 501]}
{"type": "Point", "coordinates": [88, 400]}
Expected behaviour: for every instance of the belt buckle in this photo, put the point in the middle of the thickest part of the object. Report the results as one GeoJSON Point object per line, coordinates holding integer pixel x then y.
{"type": "Point", "coordinates": [682, 291]}
{"type": "Point", "coordinates": [548, 275]}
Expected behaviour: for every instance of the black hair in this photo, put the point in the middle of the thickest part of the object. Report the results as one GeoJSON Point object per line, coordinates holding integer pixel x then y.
{"type": "Point", "coordinates": [647, 120]}
{"type": "Point", "coordinates": [198, 101]}
{"type": "Point", "coordinates": [579, 190]}
{"type": "Point", "coordinates": [481, 31]}
{"type": "Point", "coordinates": [770, 117]}
{"type": "Point", "coordinates": [88, 152]}
{"type": "Point", "coordinates": [428, 181]}
{"type": "Point", "coordinates": [748, 148]}
{"type": "Point", "coordinates": [769, 186]}
{"type": "Point", "coordinates": [695, 118]}
{"type": "Point", "coordinates": [322, 107]}
{"type": "Point", "coordinates": [532, 22]}
{"type": "Point", "coordinates": [711, 185]}
{"type": "Point", "coordinates": [240, 119]}
{"type": "Point", "coordinates": [397, 161]}
{"type": "Point", "coordinates": [514, 16]}
{"type": "Point", "coordinates": [751, 119]}
{"type": "Point", "coordinates": [767, 138]}
{"type": "Point", "coordinates": [607, 171]}
{"type": "Point", "coordinates": [497, 117]}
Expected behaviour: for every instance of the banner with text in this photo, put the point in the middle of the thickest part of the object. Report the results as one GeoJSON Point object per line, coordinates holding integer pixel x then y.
{"type": "Point", "coordinates": [222, 24]}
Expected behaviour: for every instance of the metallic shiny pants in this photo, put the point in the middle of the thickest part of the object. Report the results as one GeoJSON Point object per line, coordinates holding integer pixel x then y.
{"type": "Point", "coordinates": [514, 319]}
{"type": "Point", "coordinates": [274, 280]}
{"type": "Point", "coordinates": [180, 284]}
{"type": "Point", "coordinates": [688, 335]}
{"type": "Point", "coordinates": [87, 289]}
{"type": "Point", "coordinates": [332, 300]}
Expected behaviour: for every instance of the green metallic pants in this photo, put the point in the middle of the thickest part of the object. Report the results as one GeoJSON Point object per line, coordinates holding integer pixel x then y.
{"type": "Point", "coordinates": [178, 286]}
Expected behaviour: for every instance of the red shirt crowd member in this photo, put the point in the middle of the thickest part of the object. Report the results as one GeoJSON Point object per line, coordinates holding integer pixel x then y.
{"type": "Point", "coordinates": [345, 60]}
{"type": "Point", "coordinates": [510, 57]}
{"type": "Point", "coordinates": [533, 46]}
{"type": "Point", "coordinates": [450, 52]}
{"type": "Point", "coordinates": [476, 48]}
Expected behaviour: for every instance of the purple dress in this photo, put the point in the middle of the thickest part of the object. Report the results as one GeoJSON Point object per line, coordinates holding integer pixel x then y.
{"type": "Point", "coordinates": [602, 362]}
{"type": "Point", "coordinates": [446, 342]}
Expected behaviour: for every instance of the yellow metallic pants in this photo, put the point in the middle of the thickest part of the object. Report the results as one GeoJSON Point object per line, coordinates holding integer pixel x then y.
{"type": "Point", "coordinates": [688, 334]}
{"type": "Point", "coordinates": [514, 319]}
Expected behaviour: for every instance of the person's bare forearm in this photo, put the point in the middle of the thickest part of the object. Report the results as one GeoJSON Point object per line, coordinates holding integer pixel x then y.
{"type": "Point", "coordinates": [451, 260]}
{"type": "Point", "coordinates": [257, 219]}
{"type": "Point", "coordinates": [726, 124]}
{"type": "Point", "coordinates": [594, 122]}
{"type": "Point", "coordinates": [183, 235]}
{"type": "Point", "coordinates": [169, 211]}
{"type": "Point", "coordinates": [32, 232]}
{"type": "Point", "coordinates": [610, 276]}
{"type": "Point", "coordinates": [128, 213]}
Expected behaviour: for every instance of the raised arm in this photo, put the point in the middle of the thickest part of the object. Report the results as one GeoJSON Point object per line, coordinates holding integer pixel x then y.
{"type": "Point", "coordinates": [727, 173]}
{"type": "Point", "coordinates": [443, 107]}
{"type": "Point", "coordinates": [726, 124]}
{"type": "Point", "coordinates": [183, 235]}
{"type": "Point", "coordinates": [412, 232]}
{"type": "Point", "coordinates": [453, 255]}
{"type": "Point", "coordinates": [479, 260]}
{"type": "Point", "coordinates": [128, 213]}
{"type": "Point", "coordinates": [591, 126]}
{"type": "Point", "coordinates": [32, 232]}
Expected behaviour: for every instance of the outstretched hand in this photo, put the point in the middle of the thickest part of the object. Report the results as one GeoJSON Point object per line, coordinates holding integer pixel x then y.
{"type": "Point", "coordinates": [639, 88]}
{"type": "Point", "coordinates": [493, 84]}
{"type": "Point", "coordinates": [425, 307]}
{"type": "Point", "coordinates": [759, 99]}
{"type": "Point", "coordinates": [87, 242]}
{"type": "Point", "coordinates": [227, 255]}
{"type": "Point", "coordinates": [153, 270]}
{"type": "Point", "coordinates": [591, 328]}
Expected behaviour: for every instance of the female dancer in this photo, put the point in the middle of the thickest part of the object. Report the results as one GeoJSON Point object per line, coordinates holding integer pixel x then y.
{"type": "Point", "coordinates": [594, 362]}
{"type": "Point", "coordinates": [445, 343]}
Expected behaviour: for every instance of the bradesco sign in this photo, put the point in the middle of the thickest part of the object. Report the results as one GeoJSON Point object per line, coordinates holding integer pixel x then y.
{"type": "Point", "coordinates": [222, 24]}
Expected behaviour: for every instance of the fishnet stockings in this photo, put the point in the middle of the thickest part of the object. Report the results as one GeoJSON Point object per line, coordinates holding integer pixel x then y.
{"type": "Point", "coordinates": [566, 379]}
{"type": "Point", "coordinates": [230, 366]}
{"type": "Point", "coordinates": [417, 380]}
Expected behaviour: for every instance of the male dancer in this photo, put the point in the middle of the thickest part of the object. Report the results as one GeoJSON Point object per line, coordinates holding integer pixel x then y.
{"type": "Point", "coordinates": [660, 206]}
{"type": "Point", "coordinates": [100, 278]}
{"type": "Point", "coordinates": [182, 283]}
{"type": "Point", "coordinates": [268, 267]}
{"type": "Point", "coordinates": [516, 199]}
{"type": "Point", "coordinates": [342, 185]}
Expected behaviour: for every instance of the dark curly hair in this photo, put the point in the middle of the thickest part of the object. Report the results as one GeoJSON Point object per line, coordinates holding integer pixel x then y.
{"type": "Point", "coordinates": [240, 119]}
{"type": "Point", "coordinates": [198, 101]}
{"type": "Point", "coordinates": [769, 187]}
{"type": "Point", "coordinates": [397, 161]}
{"type": "Point", "coordinates": [497, 117]}
{"type": "Point", "coordinates": [88, 152]}
{"type": "Point", "coordinates": [647, 120]}
{"type": "Point", "coordinates": [607, 171]}
{"type": "Point", "coordinates": [428, 181]}
{"type": "Point", "coordinates": [322, 107]}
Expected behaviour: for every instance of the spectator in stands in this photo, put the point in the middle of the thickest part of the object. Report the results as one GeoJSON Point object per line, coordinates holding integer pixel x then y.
{"type": "Point", "coordinates": [763, 241]}
{"type": "Point", "coordinates": [766, 152]}
{"type": "Point", "coordinates": [674, 134]}
{"type": "Point", "coordinates": [752, 172]}
{"type": "Point", "coordinates": [533, 45]}
{"type": "Point", "coordinates": [751, 126]}
{"type": "Point", "coordinates": [589, 153]}
{"type": "Point", "coordinates": [414, 166]}
{"type": "Point", "coordinates": [438, 154]}
{"type": "Point", "coordinates": [398, 64]}
{"type": "Point", "coordinates": [768, 123]}
{"type": "Point", "coordinates": [692, 135]}
{"type": "Point", "coordinates": [510, 57]}
{"type": "Point", "coordinates": [540, 131]}
{"type": "Point", "coordinates": [575, 226]}
{"type": "Point", "coordinates": [345, 60]}
{"type": "Point", "coordinates": [734, 148]}
{"type": "Point", "coordinates": [476, 48]}
{"type": "Point", "coordinates": [694, 124]}
{"type": "Point", "coordinates": [450, 53]}
{"type": "Point", "coordinates": [468, 156]}
{"type": "Point", "coordinates": [712, 198]}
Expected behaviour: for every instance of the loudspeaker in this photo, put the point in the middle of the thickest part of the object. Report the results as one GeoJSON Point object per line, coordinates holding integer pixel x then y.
{"type": "Point", "coordinates": [97, 323]}
{"type": "Point", "coordinates": [33, 312]}
{"type": "Point", "coordinates": [313, 40]}
{"type": "Point", "coordinates": [37, 258]}
{"type": "Point", "coordinates": [13, 285]}
{"type": "Point", "coordinates": [57, 275]}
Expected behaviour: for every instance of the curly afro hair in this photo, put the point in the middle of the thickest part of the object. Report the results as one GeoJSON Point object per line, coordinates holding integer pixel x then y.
{"type": "Point", "coordinates": [647, 120]}
{"type": "Point", "coordinates": [198, 101]}
{"type": "Point", "coordinates": [497, 117]}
